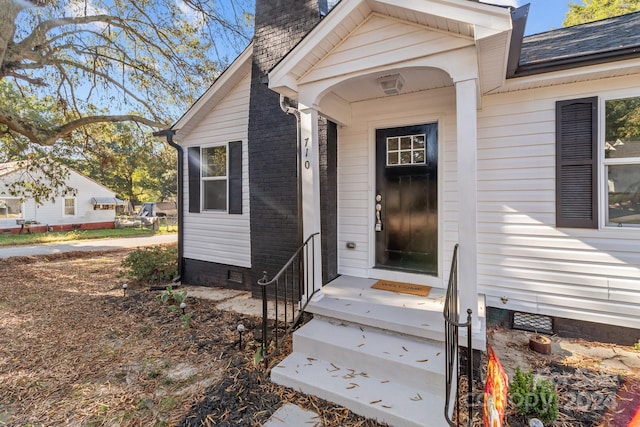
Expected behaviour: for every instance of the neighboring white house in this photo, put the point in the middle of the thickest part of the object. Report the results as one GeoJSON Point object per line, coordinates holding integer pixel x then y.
{"type": "Point", "coordinates": [423, 124]}
{"type": "Point", "coordinates": [92, 206]}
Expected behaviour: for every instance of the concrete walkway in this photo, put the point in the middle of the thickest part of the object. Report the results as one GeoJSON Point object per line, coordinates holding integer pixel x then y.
{"type": "Point", "coordinates": [88, 245]}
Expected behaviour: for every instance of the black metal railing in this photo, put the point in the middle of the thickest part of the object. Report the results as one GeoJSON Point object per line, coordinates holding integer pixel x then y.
{"type": "Point", "coordinates": [286, 291]}
{"type": "Point", "coordinates": [452, 326]}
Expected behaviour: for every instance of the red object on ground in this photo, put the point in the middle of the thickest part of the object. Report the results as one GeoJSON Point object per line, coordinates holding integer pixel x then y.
{"type": "Point", "coordinates": [635, 421]}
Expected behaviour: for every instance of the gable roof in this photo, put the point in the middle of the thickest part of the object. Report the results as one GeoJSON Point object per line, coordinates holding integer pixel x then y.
{"type": "Point", "coordinates": [596, 42]}
{"type": "Point", "coordinates": [486, 25]}
{"type": "Point", "coordinates": [229, 78]}
{"type": "Point", "coordinates": [9, 167]}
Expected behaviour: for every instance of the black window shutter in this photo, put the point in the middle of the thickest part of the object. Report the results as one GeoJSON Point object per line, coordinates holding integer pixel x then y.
{"type": "Point", "coordinates": [235, 177]}
{"type": "Point", "coordinates": [194, 179]}
{"type": "Point", "coordinates": [577, 163]}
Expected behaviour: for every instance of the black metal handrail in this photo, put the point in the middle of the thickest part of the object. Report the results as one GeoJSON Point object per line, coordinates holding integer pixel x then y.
{"type": "Point", "coordinates": [452, 325]}
{"type": "Point", "coordinates": [287, 288]}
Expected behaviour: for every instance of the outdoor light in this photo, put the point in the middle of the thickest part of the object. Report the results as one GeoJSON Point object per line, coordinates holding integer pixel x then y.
{"type": "Point", "coordinates": [391, 85]}
{"type": "Point", "coordinates": [183, 305]}
{"type": "Point", "coordinates": [124, 289]}
{"type": "Point", "coordinates": [240, 329]}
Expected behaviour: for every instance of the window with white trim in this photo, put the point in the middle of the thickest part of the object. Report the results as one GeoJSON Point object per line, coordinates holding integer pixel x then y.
{"type": "Point", "coordinates": [621, 159]}
{"type": "Point", "coordinates": [10, 208]}
{"type": "Point", "coordinates": [70, 206]}
{"type": "Point", "coordinates": [214, 178]}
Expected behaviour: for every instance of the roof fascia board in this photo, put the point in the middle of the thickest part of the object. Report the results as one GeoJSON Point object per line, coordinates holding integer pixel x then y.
{"type": "Point", "coordinates": [490, 18]}
{"type": "Point", "coordinates": [277, 75]}
{"type": "Point", "coordinates": [553, 77]}
{"type": "Point", "coordinates": [226, 81]}
{"type": "Point", "coordinates": [519, 17]}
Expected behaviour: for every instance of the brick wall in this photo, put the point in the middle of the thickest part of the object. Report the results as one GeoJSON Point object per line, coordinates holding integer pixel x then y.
{"type": "Point", "coordinates": [279, 26]}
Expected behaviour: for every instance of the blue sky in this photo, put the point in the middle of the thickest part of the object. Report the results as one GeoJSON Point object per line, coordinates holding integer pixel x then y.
{"type": "Point", "coordinates": [544, 15]}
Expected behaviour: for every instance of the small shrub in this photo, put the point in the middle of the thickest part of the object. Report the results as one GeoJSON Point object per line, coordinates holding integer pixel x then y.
{"type": "Point", "coordinates": [534, 397]}
{"type": "Point", "coordinates": [636, 346]}
{"type": "Point", "coordinates": [153, 264]}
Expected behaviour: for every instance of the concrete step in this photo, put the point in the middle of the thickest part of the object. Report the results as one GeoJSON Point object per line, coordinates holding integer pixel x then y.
{"type": "Point", "coordinates": [352, 386]}
{"type": "Point", "coordinates": [406, 320]}
{"type": "Point", "coordinates": [408, 360]}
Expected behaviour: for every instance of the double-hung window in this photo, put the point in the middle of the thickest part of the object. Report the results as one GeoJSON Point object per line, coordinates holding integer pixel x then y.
{"type": "Point", "coordinates": [214, 178]}
{"type": "Point", "coordinates": [621, 160]}
{"type": "Point", "coordinates": [598, 172]}
{"type": "Point", "coordinates": [69, 206]}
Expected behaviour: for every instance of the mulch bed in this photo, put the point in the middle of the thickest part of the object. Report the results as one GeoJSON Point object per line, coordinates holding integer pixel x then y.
{"type": "Point", "coordinates": [75, 351]}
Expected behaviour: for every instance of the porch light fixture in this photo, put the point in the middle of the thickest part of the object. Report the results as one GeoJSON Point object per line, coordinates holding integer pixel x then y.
{"type": "Point", "coordinates": [391, 85]}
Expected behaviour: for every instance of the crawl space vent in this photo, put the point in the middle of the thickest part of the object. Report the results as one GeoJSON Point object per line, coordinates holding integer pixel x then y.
{"type": "Point", "coordinates": [532, 322]}
{"type": "Point", "coordinates": [235, 276]}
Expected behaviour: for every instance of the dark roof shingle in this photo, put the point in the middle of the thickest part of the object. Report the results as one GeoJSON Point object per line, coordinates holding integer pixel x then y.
{"type": "Point", "coordinates": [618, 34]}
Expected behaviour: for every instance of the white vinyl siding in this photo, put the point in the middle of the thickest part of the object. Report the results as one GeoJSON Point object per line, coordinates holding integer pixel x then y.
{"type": "Point", "coordinates": [380, 41]}
{"type": "Point", "coordinates": [585, 274]}
{"type": "Point", "coordinates": [216, 236]}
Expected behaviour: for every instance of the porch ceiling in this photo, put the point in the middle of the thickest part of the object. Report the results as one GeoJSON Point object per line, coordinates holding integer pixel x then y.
{"type": "Point", "coordinates": [416, 80]}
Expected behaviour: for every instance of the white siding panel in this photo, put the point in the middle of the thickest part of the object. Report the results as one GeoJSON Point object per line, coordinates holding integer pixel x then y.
{"type": "Point", "coordinates": [380, 41]}
{"type": "Point", "coordinates": [591, 275]}
{"type": "Point", "coordinates": [213, 236]}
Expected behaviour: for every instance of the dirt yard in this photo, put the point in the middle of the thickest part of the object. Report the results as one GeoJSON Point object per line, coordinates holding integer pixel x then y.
{"type": "Point", "coordinates": [75, 351]}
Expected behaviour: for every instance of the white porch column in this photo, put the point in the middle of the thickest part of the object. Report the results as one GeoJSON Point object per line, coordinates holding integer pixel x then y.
{"type": "Point", "coordinates": [310, 179]}
{"type": "Point", "coordinates": [467, 146]}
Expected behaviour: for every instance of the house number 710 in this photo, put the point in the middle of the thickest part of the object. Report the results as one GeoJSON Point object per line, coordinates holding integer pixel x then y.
{"type": "Point", "coordinates": [307, 164]}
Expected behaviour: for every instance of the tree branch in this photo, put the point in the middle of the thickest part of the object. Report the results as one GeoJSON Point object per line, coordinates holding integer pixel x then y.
{"type": "Point", "coordinates": [48, 136]}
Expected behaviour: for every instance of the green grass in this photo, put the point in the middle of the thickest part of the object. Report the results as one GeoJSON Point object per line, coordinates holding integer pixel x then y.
{"type": "Point", "coordinates": [66, 236]}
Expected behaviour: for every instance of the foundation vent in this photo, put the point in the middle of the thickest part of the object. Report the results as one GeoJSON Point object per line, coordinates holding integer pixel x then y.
{"type": "Point", "coordinates": [532, 322]}
{"type": "Point", "coordinates": [235, 276]}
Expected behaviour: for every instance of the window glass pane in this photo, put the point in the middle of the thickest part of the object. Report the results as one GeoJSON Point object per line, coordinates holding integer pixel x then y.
{"type": "Point", "coordinates": [622, 138]}
{"type": "Point", "coordinates": [624, 194]}
{"type": "Point", "coordinates": [392, 158]}
{"type": "Point", "coordinates": [406, 150]}
{"type": "Point", "coordinates": [215, 195]}
{"type": "Point", "coordinates": [405, 158]}
{"type": "Point", "coordinates": [69, 207]}
{"type": "Point", "coordinates": [10, 208]}
{"type": "Point", "coordinates": [214, 161]}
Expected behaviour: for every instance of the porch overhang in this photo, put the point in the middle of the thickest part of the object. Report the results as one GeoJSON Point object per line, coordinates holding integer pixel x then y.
{"type": "Point", "coordinates": [486, 28]}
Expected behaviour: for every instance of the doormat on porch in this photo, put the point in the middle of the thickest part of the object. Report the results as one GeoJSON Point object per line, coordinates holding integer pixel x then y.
{"type": "Point", "coordinates": [402, 287]}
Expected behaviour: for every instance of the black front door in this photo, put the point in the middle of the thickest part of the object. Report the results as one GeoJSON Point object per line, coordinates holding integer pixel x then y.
{"type": "Point", "coordinates": [407, 198]}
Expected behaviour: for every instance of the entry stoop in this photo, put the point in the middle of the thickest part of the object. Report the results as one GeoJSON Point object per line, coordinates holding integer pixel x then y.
{"type": "Point", "coordinates": [377, 353]}
{"type": "Point", "coordinates": [391, 378]}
